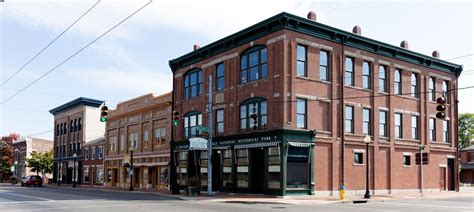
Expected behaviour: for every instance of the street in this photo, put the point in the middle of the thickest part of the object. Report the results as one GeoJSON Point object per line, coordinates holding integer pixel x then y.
{"type": "Point", "coordinates": [14, 198]}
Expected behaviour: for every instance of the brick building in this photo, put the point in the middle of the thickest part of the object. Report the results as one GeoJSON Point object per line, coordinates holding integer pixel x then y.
{"type": "Point", "coordinates": [277, 80]}
{"type": "Point", "coordinates": [22, 149]}
{"type": "Point", "coordinates": [466, 175]}
{"type": "Point", "coordinates": [142, 125]}
{"type": "Point", "coordinates": [76, 123]}
{"type": "Point", "coordinates": [93, 162]}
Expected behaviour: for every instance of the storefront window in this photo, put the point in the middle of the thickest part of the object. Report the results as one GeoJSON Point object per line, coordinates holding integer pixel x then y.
{"type": "Point", "coordinates": [203, 165]}
{"type": "Point", "coordinates": [86, 174]}
{"type": "Point", "coordinates": [100, 175]}
{"type": "Point", "coordinates": [164, 175]}
{"type": "Point", "coordinates": [242, 168]}
{"type": "Point", "coordinates": [181, 168]}
{"type": "Point", "coordinates": [297, 167]}
{"type": "Point", "coordinates": [274, 168]}
{"type": "Point", "coordinates": [227, 169]}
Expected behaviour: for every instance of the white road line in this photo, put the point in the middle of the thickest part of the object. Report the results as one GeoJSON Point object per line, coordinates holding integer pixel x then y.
{"type": "Point", "coordinates": [425, 205]}
{"type": "Point", "coordinates": [21, 195]}
{"type": "Point", "coordinates": [90, 206]}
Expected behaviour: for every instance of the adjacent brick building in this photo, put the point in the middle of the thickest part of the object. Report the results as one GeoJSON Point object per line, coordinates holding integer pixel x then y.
{"type": "Point", "coordinates": [141, 125]}
{"type": "Point", "coordinates": [277, 80]}
{"type": "Point", "coordinates": [76, 123]}
{"type": "Point", "coordinates": [93, 162]}
{"type": "Point", "coordinates": [466, 175]}
{"type": "Point", "coordinates": [22, 150]}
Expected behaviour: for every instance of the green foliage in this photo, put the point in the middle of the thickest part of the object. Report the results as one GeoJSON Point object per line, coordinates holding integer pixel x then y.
{"type": "Point", "coordinates": [6, 155]}
{"type": "Point", "coordinates": [466, 129]}
{"type": "Point", "coordinates": [40, 162]}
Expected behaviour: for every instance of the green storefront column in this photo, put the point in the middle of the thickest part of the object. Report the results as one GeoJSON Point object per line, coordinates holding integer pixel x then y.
{"type": "Point", "coordinates": [283, 157]}
{"type": "Point", "coordinates": [311, 168]}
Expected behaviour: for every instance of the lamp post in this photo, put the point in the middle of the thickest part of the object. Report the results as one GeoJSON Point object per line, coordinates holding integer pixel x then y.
{"type": "Point", "coordinates": [131, 168]}
{"type": "Point", "coordinates": [74, 170]}
{"type": "Point", "coordinates": [16, 169]}
{"type": "Point", "coordinates": [367, 141]}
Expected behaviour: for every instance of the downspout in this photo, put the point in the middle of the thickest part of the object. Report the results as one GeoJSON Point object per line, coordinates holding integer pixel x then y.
{"type": "Point", "coordinates": [343, 39]}
{"type": "Point", "coordinates": [456, 137]}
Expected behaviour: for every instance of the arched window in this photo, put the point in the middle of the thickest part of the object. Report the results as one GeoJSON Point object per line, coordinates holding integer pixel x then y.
{"type": "Point", "coordinates": [65, 127]}
{"type": "Point", "coordinates": [79, 124]}
{"type": "Point", "coordinates": [191, 120]}
{"type": "Point", "coordinates": [75, 125]}
{"type": "Point", "coordinates": [253, 114]}
{"type": "Point", "coordinates": [414, 85]}
{"type": "Point", "coordinates": [71, 126]}
{"type": "Point", "coordinates": [57, 129]}
{"type": "Point", "coordinates": [193, 83]}
{"type": "Point", "coordinates": [445, 88]}
{"type": "Point", "coordinates": [61, 129]}
{"type": "Point", "coordinates": [253, 64]}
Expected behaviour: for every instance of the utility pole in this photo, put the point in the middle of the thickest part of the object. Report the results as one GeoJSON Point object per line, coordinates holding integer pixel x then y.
{"type": "Point", "coordinates": [209, 142]}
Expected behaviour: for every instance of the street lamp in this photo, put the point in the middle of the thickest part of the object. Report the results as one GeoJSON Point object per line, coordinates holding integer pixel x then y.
{"type": "Point", "coordinates": [367, 141]}
{"type": "Point", "coordinates": [16, 168]}
{"type": "Point", "coordinates": [131, 168]}
{"type": "Point", "coordinates": [74, 171]}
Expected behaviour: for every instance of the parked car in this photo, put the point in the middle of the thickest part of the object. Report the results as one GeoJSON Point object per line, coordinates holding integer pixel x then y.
{"type": "Point", "coordinates": [33, 180]}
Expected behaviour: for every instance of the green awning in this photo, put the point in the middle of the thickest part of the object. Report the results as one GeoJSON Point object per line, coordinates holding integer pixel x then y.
{"type": "Point", "coordinates": [300, 144]}
{"type": "Point", "coordinates": [256, 145]}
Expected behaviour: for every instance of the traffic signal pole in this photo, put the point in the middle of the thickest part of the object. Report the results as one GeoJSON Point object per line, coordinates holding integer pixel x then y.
{"type": "Point", "coordinates": [209, 142]}
{"type": "Point", "coordinates": [421, 169]}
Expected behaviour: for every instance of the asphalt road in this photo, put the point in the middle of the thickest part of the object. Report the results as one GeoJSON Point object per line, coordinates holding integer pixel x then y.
{"type": "Point", "coordinates": [53, 199]}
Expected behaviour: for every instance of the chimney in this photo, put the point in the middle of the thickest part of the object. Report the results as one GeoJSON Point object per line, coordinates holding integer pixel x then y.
{"type": "Point", "coordinates": [435, 54]}
{"type": "Point", "coordinates": [404, 44]}
{"type": "Point", "coordinates": [357, 30]}
{"type": "Point", "coordinates": [196, 47]}
{"type": "Point", "coordinates": [311, 15]}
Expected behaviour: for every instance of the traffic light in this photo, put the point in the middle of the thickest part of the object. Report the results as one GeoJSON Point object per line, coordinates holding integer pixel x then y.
{"type": "Point", "coordinates": [441, 107]}
{"type": "Point", "coordinates": [175, 118]}
{"type": "Point", "coordinates": [103, 113]}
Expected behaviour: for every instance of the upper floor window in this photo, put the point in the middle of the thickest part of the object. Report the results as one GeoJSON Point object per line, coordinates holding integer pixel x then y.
{"type": "Point", "coordinates": [253, 114]}
{"type": "Point", "coordinates": [366, 75]}
{"type": "Point", "coordinates": [366, 117]}
{"type": "Point", "coordinates": [397, 79]}
{"type": "Point", "coordinates": [57, 129]}
{"type": "Point", "coordinates": [79, 124]}
{"type": "Point", "coordinates": [220, 121]}
{"type": "Point", "coordinates": [86, 154]}
{"type": "Point", "coordinates": [71, 126]}
{"type": "Point", "coordinates": [324, 65]}
{"type": "Point", "coordinates": [382, 79]}
{"type": "Point", "coordinates": [100, 152]}
{"type": "Point", "coordinates": [432, 129]}
{"type": "Point", "coordinates": [383, 123]}
{"type": "Point", "coordinates": [301, 60]}
{"type": "Point", "coordinates": [445, 131]}
{"type": "Point", "coordinates": [133, 139]}
{"type": "Point", "coordinates": [398, 125]}
{"type": "Point", "coordinates": [414, 128]}
{"type": "Point", "coordinates": [145, 136]}
{"type": "Point", "coordinates": [220, 77]}
{"type": "Point", "coordinates": [301, 113]}
{"type": "Point", "coordinates": [445, 91]}
{"type": "Point", "coordinates": [75, 125]}
{"type": "Point", "coordinates": [349, 71]}
{"type": "Point", "coordinates": [414, 85]}
{"type": "Point", "coordinates": [253, 64]}
{"type": "Point", "coordinates": [191, 120]}
{"type": "Point", "coordinates": [349, 119]}
{"type": "Point", "coordinates": [65, 128]}
{"type": "Point", "coordinates": [431, 89]}
{"type": "Point", "coordinates": [193, 84]}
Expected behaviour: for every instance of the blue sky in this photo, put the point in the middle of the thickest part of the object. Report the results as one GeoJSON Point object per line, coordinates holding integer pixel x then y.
{"type": "Point", "coordinates": [133, 59]}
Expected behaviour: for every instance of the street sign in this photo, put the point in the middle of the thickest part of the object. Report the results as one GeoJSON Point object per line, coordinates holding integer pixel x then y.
{"type": "Point", "coordinates": [421, 148]}
{"type": "Point", "coordinates": [175, 123]}
{"type": "Point", "coordinates": [202, 128]}
{"type": "Point", "coordinates": [197, 143]}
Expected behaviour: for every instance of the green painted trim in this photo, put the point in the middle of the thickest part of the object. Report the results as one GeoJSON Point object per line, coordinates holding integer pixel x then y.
{"type": "Point", "coordinates": [302, 25]}
{"type": "Point", "coordinates": [311, 169]}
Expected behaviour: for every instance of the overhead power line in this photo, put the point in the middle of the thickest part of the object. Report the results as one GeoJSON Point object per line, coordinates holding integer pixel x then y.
{"type": "Point", "coordinates": [77, 52]}
{"type": "Point", "coordinates": [49, 44]}
{"type": "Point", "coordinates": [460, 57]}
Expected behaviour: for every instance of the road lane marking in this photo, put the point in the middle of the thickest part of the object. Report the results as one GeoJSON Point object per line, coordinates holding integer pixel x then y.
{"type": "Point", "coordinates": [90, 206]}
{"type": "Point", "coordinates": [426, 205]}
{"type": "Point", "coordinates": [21, 195]}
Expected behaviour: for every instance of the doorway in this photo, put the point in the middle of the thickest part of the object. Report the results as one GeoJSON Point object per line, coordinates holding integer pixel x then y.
{"type": "Point", "coordinates": [442, 178]}
{"type": "Point", "coordinates": [451, 185]}
{"type": "Point", "coordinates": [136, 177]}
{"type": "Point", "coordinates": [216, 170]}
{"type": "Point", "coordinates": [257, 167]}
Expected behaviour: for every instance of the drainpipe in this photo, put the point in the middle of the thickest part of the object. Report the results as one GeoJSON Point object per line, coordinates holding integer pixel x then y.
{"type": "Point", "coordinates": [456, 138]}
{"type": "Point", "coordinates": [343, 39]}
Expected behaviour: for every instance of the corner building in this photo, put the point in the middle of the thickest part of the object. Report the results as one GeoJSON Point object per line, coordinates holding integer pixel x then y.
{"type": "Point", "coordinates": [277, 80]}
{"type": "Point", "coordinates": [140, 125]}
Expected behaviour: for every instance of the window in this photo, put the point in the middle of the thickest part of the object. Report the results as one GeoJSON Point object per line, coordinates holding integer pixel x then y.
{"type": "Point", "coordinates": [86, 154]}
{"type": "Point", "coordinates": [397, 85]}
{"type": "Point", "coordinates": [349, 128]}
{"type": "Point", "coordinates": [79, 125]}
{"type": "Point", "coordinates": [445, 89]}
{"type": "Point", "coordinates": [71, 126]}
{"type": "Point", "coordinates": [145, 136]}
{"type": "Point", "coordinates": [100, 175]}
{"type": "Point", "coordinates": [133, 139]}
{"type": "Point", "coordinates": [253, 65]}
{"type": "Point", "coordinates": [57, 129]}
{"type": "Point", "coordinates": [414, 127]}
{"type": "Point", "coordinates": [253, 114]}
{"type": "Point", "coordinates": [301, 60]}
{"type": "Point", "coordinates": [157, 135]}
{"type": "Point", "coordinates": [220, 77]}
{"type": "Point", "coordinates": [398, 125]}
{"type": "Point", "coordinates": [301, 113]}
{"type": "Point", "coordinates": [366, 121]}
{"type": "Point", "coordinates": [242, 163]}
{"type": "Point", "coordinates": [163, 135]}
{"type": "Point", "coordinates": [358, 158]}
{"type": "Point", "coordinates": [75, 125]}
{"type": "Point", "coordinates": [366, 75]}
{"type": "Point", "coordinates": [86, 174]}
{"type": "Point", "coordinates": [227, 181]}
{"type": "Point", "coordinates": [273, 168]}
{"type": "Point", "coordinates": [407, 160]}
{"type": "Point", "coordinates": [94, 153]}
{"type": "Point", "coordinates": [220, 121]}
{"type": "Point", "coordinates": [193, 83]}
{"type": "Point", "coordinates": [122, 142]}
{"type": "Point", "coordinates": [383, 79]}
{"type": "Point", "coordinates": [191, 120]}
{"type": "Point", "coordinates": [383, 123]}
{"type": "Point", "coordinates": [298, 167]}
{"type": "Point", "coordinates": [445, 131]}
{"type": "Point", "coordinates": [324, 65]}
{"type": "Point", "coordinates": [100, 152]}
{"type": "Point", "coordinates": [349, 72]}
{"type": "Point", "coordinates": [431, 89]}
{"type": "Point", "coordinates": [414, 85]}
{"type": "Point", "coordinates": [432, 129]}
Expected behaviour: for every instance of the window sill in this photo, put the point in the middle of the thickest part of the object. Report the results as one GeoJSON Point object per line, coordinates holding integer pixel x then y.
{"type": "Point", "coordinates": [406, 166]}
{"type": "Point", "coordinates": [191, 98]}
{"type": "Point", "coordinates": [358, 164]}
{"type": "Point", "coordinates": [252, 82]}
{"type": "Point", "coordinates": [314, 80]}
{"type": "Point", "coordinates": [408, 97]}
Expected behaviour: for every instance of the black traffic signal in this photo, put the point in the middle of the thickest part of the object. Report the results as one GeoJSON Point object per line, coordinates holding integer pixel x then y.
{"type": "Point", "coordinates": [175, 118]}
{"type": "Point", "coordinates": [441, 107]}
{"type": "Point", "coordinates": [103, 113]}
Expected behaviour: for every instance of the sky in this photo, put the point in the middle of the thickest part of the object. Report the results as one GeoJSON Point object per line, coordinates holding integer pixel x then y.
{"type": "Point", "coordinates": [132, 59]}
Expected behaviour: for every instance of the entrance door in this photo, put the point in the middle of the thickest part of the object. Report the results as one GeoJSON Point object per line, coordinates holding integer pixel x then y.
{"type": "Point", "coordinates": [216, 170]}
{"type": "Point", "coordinates": [136, 177]}
{"type": "Point", "coordinates": [451, 174]}
{"type": "Point", "coordinates": [114, 177]}
{"type": "Point", "coordinates": [257, 167]}
{"type": "Point", "coordinates": [442, 178]}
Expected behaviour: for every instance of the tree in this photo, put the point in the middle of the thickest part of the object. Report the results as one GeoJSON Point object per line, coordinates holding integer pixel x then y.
{"type": "Point", "coordinates": [466, 130]}
{"type": "Point", "coordinates": [6, 155]}
{"type": "Point", "coordinates": [40, 162]}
